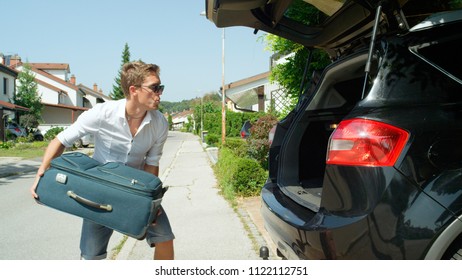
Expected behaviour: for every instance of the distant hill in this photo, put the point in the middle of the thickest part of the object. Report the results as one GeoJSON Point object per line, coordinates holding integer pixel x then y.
{"type": "Point", "coordinates": [172, 107]}
{"type": "Point", "coordinates": [175, 107]}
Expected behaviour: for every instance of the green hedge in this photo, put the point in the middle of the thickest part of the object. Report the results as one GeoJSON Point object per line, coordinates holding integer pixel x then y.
{"type": "Point", "coordinates": [234, 122]}
{"type": "Point", "coordinates": [239, 176]}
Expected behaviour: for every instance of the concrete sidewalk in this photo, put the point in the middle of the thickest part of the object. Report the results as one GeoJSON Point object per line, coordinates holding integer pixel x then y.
{"type": "Point", "coordinates": [205, 224]}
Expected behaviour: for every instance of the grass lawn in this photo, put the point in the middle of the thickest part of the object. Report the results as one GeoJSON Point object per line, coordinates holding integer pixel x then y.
{"type": "Point", "coordinates": [24, 150]}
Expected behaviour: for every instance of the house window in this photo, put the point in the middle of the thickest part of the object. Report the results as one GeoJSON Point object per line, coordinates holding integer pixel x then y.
{"type": "Point", "coordinates": [61, 98]}
{"type": "Point", "coordinates": [5, 85]}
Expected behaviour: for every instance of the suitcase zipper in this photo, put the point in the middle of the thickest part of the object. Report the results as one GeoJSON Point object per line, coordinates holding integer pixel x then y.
{"type": "Point", "coordinates": [120, 186]}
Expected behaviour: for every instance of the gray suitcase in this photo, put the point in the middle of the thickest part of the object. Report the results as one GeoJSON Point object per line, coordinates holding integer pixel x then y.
{"type": "Point", "coordinates": [112, 194]}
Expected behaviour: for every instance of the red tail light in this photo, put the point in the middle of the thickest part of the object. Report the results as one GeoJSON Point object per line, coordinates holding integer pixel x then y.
{"type": "Point", "coordinates": [366, 142]}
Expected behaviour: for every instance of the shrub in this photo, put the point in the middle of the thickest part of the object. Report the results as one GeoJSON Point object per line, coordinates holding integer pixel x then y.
{"type": "Point", "coordinates": [6, 145]}
{"type": "Point", "coordinates": [248, 177]}
{"type": "Point", "coordinates": [239, 175]}
{"type": "Point", "coordinates": [212, 139]}
{"type": "Point", "coordinates": [258, 140]}
{"type": "Point", "coordinates": [238, 146]}
{"type": "Point", "coordinates": [52, 132]}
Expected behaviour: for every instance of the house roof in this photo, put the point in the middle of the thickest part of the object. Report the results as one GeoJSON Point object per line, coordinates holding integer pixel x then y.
{"type": "Point", "coordinates": [51, 66]}
{"type": "Point", "coordinates": [76, 108]}
{"type": "Point", "coordinates": [7, 70]}
{"type": "Point", "coordinates": [52, 87]}
{"type": "Point", "coordinates": [244, 93]}
{"type": "Point", "coordinates": [247, 80]}
{"type": "Point", "coordinates": [11, 106]}
{"type": "Point", "coordinates": [87, 90]}
{"type": "Point", "coordinates": [54, 78]}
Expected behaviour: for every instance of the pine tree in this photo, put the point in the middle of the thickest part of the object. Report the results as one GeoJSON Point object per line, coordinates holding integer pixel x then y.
{"type": "Point", "coordinates": [27, 92]}
{"type": "Point", "coordinates": [117, 92]}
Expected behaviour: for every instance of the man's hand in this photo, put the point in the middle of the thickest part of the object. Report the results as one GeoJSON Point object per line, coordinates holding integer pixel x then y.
{"type": "Point", "coordinates": [36, 181]}
{"type": "Point", "coordinates": [54, 149]}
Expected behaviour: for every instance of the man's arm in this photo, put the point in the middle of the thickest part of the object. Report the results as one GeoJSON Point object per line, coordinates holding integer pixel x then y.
{"type": "Point", "coordinates": [54, 149]}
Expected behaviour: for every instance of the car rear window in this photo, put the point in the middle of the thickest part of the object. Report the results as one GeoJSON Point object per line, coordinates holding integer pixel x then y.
{"type": "Point", "coordinates": [422, 75]}
{"type": "Point", "coordinates": [445, 55]}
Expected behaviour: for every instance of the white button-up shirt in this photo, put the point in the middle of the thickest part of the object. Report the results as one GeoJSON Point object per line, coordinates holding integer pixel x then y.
{"type": "Point", "coordinates": [113, 139]}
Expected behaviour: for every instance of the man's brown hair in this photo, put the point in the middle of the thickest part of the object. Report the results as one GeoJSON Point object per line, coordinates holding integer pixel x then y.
{"type": "Point", "coordinates": [134, 74]}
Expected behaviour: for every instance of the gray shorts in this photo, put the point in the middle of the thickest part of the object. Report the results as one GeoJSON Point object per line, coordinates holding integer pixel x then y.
{"type": "Point", "coordinates": [95, 238]}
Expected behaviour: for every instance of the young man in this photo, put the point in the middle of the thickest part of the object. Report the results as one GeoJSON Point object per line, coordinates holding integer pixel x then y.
{"type": "Point", "coordinates": [130, 131]}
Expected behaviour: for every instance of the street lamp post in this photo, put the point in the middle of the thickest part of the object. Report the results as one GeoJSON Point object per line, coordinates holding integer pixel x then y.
{"type": "Point", "coordinates": [223, 91]}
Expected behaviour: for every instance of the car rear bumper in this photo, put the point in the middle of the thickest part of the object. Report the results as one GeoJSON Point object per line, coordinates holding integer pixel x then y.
{"type": "Point", "coordinates": [381, 233]}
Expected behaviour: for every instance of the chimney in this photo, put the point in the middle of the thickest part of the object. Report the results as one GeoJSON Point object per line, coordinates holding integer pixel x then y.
{"type": "Point", "coordinates": [15, 59]}
{"type": "Point", "coordinates": [95, 87]}
{"type": "Point", "coordinates": [72, 80]}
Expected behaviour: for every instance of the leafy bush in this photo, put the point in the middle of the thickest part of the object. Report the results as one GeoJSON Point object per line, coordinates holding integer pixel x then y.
{"type": "Point", "coordinates": [258, 140]}
{"type": "Point", "coordinates": [248, 177]}
{"type": "Point", "coordinates": [6, 145]}
{"type": "Point", "coordinates": [212, 139]}
{"type": "Point", "coordinates": [238, 146]}
{"type": "Point", "coordinates": [239, 175]}
{"type": "Point", "coordinates": [52, 132]}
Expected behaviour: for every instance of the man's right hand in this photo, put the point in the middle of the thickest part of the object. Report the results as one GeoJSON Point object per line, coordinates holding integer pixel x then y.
{"type": "Point", "coordinates": [35, 184]}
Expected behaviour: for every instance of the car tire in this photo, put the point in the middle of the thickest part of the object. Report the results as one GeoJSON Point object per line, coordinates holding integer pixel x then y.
{"type": "Point", "coordinates": [78, 143]}
{"type": "Point", "coordinates": [457, 255]}
{"type": "Point", "coordinates": [38, 138]}
{"type": "Point", "coordinates": [454, 251]}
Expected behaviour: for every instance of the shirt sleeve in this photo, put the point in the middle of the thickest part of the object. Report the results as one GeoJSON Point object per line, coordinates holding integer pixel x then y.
{"type": "Point", "coordinates": [86, 123]}
{"type": "Point", "coordinates": [154, 154]}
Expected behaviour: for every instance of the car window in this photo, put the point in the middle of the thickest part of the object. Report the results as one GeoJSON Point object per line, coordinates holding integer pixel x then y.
{"type": "Point", "coordinates": [445, 55]}
{"type": "Point", "coordinates": [407, 76]}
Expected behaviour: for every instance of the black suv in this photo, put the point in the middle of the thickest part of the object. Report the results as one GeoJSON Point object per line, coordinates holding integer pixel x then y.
{"type": "Point", "coordinates": [369, 163]}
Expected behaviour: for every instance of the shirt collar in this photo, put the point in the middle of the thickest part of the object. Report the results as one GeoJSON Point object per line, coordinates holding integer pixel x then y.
{"type": "Point", "coordinates": [121, 111]}
{"type": "Point", "coordinates": [121, 108]}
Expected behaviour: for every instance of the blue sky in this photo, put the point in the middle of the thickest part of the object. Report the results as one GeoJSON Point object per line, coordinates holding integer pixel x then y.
{"type": "Point", "coordinates": [90, 36]}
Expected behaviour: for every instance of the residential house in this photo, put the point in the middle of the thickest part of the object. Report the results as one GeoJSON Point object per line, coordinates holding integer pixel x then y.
{"type": "Point", "coordinates": [179, 120]}
{"type": "Point", "coordinates": [63, 100]}
{"type": "Point", "coordinates": [8, 110]}
{"type": "Point", "coordinates": [255, 94]}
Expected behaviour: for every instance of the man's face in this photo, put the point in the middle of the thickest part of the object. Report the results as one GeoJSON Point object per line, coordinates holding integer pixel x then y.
{"type": "Point", "coordinates": [149, 92]}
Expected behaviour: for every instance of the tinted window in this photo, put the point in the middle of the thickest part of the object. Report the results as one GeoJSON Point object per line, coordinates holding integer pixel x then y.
{"type": "Point", "coordinates": [408, 77]}
{"type": "Point", "coordinates": [444, 54]}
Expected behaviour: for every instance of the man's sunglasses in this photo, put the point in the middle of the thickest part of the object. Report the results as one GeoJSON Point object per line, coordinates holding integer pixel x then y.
{"type": "Point", "coordinates": [155, 88]}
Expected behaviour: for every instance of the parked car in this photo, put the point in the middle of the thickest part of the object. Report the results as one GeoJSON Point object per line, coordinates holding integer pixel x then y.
{"type": "Point", "coordinates": [368, 165]}
{"type": "Point", "coordinates": [19, 131]}
{"type": "Point", "coordinates": [245, 130]}
{"type": "Point", "coordinates": [85, 141]}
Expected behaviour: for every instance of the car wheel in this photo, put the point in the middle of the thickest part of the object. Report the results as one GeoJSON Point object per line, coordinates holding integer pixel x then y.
{"type": "Point", "coordinates": [457, 255]}
{"type": "Point", "coordinates": [78, 143]}
{"type": "Point", "coordinates": [454, 251]}
{"type": "Point", "coordinates": [38, 138]}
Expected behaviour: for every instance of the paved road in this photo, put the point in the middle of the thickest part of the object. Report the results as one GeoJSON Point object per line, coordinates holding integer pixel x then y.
{"type": "Point", "coordinates": [206, 226]}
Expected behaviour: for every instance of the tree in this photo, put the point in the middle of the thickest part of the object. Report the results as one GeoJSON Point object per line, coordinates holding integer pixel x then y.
{"type": "Point", "coordinates": [27, 96]}
{"type": "Point", "coordinates": [290, 74]}
{"type": "Point", "coordinates": [117, 92]}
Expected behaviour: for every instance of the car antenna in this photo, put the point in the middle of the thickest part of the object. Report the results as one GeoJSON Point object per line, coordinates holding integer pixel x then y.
{"type": "Point", "coordinates": [371, 47]}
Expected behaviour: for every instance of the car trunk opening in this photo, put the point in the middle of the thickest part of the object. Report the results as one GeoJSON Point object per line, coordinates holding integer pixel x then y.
{"type": "Point", "coordinates": [302, 157]}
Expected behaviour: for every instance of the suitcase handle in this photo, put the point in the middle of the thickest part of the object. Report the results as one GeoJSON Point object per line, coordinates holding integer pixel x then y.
{"type": "Point", "coordinates": [88, 202]}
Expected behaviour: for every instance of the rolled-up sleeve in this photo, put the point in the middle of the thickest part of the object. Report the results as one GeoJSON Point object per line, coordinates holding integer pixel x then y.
{"type": "Point", "coordinates": [86, 123]}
